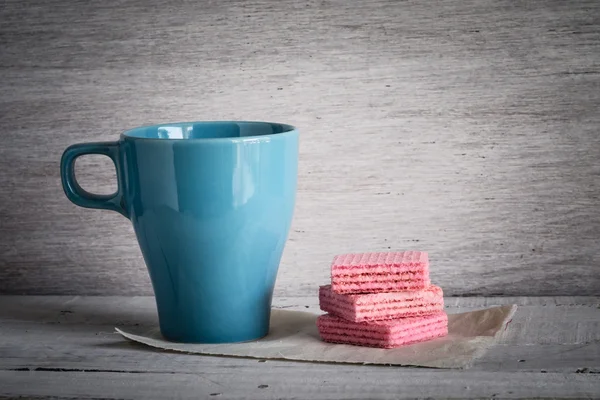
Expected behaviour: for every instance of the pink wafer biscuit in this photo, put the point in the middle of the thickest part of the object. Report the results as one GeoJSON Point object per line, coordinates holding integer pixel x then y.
{"type": "Point", "coordinates": [380, 272]}
{"type": "Point", "coordinates": [378, 306]}
{"type": "Point", "coordinates": [385, 334]}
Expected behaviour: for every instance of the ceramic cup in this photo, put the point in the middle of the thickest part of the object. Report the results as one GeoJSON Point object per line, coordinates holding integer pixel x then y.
{"type": "Point", "coordinates": [211, 204]}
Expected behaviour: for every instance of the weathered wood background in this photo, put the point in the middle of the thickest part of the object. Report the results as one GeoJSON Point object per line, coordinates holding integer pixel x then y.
{"type": "Point", "coordinates": [469, 129]}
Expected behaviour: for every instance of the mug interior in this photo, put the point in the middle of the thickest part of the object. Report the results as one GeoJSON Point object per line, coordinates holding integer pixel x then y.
{"type": "Point", "coordinates": [208, 130]}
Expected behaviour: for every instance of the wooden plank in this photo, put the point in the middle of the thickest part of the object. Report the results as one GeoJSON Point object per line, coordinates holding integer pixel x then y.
{"type": "Point", "coordinates": [100, 350]}
{"type": "Point", "coordinates": [78, 333]}
{"type": "Point", "coordinates": [563, 320]}
{"type": "Point", "coordinates": [371, 382]}
{"type": "Point", "coordinates": [470, 127]}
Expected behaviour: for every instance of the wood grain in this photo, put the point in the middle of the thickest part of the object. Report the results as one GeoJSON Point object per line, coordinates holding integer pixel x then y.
{"type": "Point", "coordinates": [314, 384]}
{"type": "Point", "coordinates": [468, 129]}
{"type": "Point", "coordinates": [65, 347]}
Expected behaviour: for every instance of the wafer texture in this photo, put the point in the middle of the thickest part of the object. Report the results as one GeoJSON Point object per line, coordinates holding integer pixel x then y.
{"type": "Point", "coordinates": [380, 272]}
{"type": "Point", "coordinates": [379, 306]}
{"type": "Point", "coordinates": [383, 334]}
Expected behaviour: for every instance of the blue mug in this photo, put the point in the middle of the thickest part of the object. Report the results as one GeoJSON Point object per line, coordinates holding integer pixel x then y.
{"type": "Point", "coordinates": [211, 204]}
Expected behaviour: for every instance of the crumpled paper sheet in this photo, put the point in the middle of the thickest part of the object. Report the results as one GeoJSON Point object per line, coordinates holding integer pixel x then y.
{"type": "Point", "coordinates": [294, 336]}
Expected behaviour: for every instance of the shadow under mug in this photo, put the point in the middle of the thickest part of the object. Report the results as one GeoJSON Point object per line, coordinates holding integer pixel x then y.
{"type": "Point", "coordinates": [211, 204]}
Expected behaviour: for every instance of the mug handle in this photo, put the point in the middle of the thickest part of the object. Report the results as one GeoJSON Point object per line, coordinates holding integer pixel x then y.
{"type": "Point", "coordinates": [80, 196]}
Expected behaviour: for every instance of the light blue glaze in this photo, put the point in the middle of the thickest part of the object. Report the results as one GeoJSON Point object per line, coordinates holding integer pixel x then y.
{"type": "Point", "coordinates": [211, 204]}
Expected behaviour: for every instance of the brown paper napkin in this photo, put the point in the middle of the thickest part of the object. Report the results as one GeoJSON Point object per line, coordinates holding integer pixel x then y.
{"type": "Point", "coordinates": [294, 336]}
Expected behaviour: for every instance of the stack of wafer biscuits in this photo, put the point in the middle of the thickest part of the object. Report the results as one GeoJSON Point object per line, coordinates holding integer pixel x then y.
{"type": "Point", "coordinates": [381, 300]}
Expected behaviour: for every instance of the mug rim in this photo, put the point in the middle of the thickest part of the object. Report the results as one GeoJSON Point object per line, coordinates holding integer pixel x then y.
{"type": "Point", "coordinates": [288, 130]}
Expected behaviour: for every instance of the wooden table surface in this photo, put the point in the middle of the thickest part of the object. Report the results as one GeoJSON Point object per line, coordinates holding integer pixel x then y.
{"type": "Point", "coordinates": [66, 347]}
